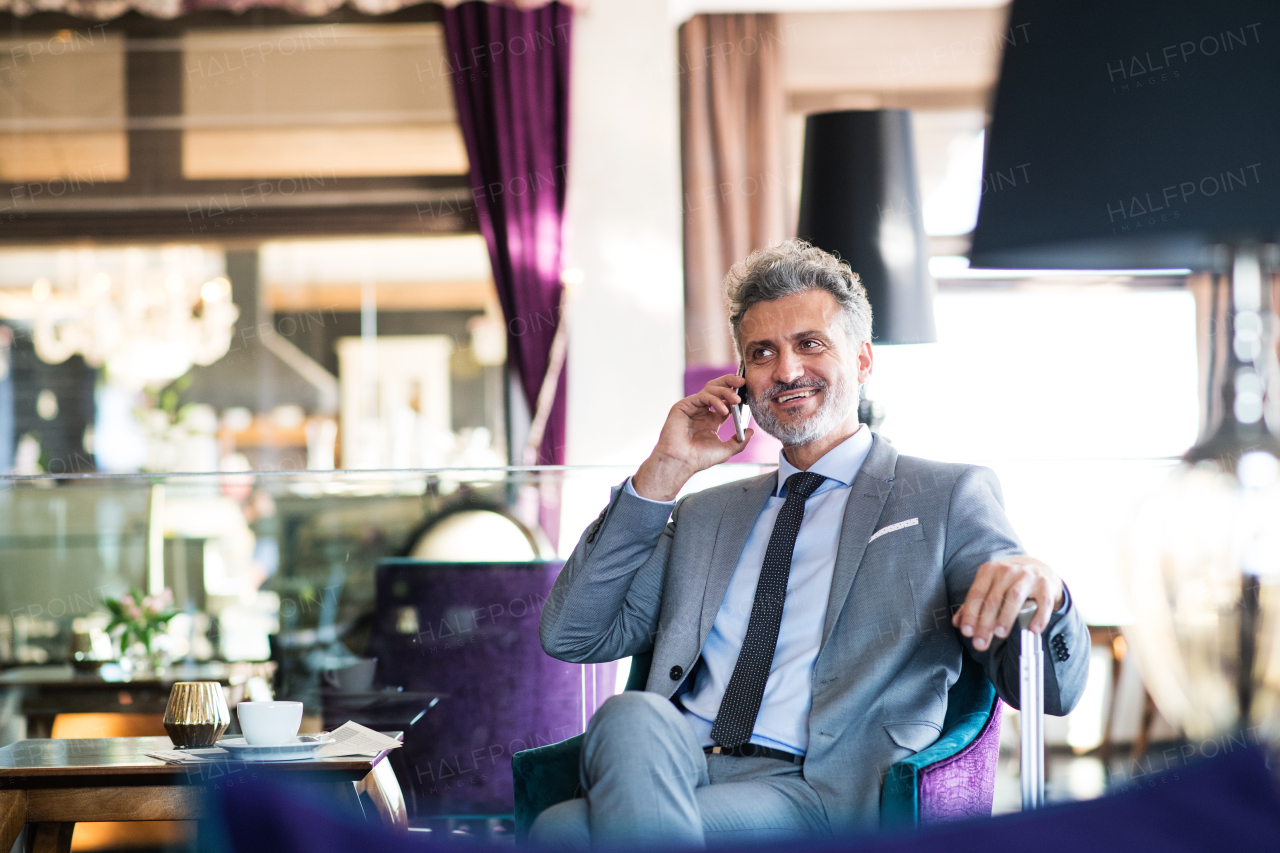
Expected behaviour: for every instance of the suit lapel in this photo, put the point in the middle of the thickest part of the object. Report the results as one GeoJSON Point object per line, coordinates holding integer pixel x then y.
{"type": "Point", "coordinates": [868, 494]}
{"type": "Point", "coordinates": [740, 515]}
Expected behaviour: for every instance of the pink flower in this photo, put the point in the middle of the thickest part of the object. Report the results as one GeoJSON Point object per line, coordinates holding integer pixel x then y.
{"type": "Point", "coordinates": [132, 610]}
{"type": "Point", "coordinates": [127, 600]}
{"type": "Point", "coordinates": [166, 597]}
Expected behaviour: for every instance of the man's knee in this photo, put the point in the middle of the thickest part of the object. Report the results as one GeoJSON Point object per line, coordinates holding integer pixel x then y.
{"type": "Point", "coordinates": [632, 713]}
{"type": "Point", "coordinates": [645, 734]}
{"type": "Point", "coordinates": [562, 827]}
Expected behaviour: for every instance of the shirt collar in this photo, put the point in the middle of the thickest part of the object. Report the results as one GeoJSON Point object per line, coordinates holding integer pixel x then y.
{"type": "Point", "coordinates": [840, 464]}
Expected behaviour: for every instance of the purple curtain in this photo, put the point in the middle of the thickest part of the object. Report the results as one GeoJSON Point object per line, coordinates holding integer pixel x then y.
{"type": "Point", "coordinates": [510, 72]}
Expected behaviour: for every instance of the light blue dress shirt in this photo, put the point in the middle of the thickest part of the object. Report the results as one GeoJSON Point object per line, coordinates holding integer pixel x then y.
{"type": "Point", "coordinates": [783, 721]}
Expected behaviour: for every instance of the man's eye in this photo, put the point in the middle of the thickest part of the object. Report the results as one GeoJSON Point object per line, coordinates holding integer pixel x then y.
{"type": "Point", "coordinates": [763, 353]}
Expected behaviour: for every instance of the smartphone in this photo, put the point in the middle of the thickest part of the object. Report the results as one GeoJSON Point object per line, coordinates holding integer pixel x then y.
{"type": "Point", "coordinates": [740, 412]}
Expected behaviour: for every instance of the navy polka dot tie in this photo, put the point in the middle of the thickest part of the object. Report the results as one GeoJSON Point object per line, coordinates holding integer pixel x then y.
{"type": "Point", "coordinates": [741, 702]}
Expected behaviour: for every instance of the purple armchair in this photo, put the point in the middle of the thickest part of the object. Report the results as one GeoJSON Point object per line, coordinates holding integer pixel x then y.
{"type": "Point", "coordinates": [952, 779]}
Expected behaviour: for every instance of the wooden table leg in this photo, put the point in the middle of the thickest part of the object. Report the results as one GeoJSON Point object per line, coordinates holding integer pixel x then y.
{"type": "Point", "coordinates": [13, 814]}
{"type": "Point", "coordinates": [50, 837]}
{"type": "Point", "coordinates": [382, 789]}
{"type": "Point", "coordinates": [1117, 647]}
{"type": "Point", "coordinates": [1144, 729]}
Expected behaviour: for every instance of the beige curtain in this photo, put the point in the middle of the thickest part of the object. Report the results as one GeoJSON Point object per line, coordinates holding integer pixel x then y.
{"type": "Point", "coordinates": [732, 112]}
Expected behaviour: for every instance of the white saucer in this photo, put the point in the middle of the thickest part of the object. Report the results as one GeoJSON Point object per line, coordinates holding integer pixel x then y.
{"type": "Point", "coordinates": [304, 747]}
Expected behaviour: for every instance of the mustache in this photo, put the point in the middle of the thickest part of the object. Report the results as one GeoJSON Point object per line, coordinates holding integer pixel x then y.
{"type": "Point", "coordinates": [780, 388]}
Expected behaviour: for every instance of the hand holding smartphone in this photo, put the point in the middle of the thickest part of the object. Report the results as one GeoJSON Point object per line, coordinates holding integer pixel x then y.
{"type": "Point", "coordinates": [739, 418]}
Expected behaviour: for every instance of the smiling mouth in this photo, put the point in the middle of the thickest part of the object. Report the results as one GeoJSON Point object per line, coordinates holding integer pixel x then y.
{"type": "Point", "coordinates": [795, 395]}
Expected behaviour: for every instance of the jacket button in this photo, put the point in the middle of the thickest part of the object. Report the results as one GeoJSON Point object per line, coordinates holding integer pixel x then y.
{"type": "Point", "coordinates": [676, 673]}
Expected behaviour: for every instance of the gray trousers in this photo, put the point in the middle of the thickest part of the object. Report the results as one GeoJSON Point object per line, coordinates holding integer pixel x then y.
{"type": "Point", "coordinates": [647, 782]}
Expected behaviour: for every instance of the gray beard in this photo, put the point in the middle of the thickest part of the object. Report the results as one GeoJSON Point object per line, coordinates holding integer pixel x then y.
{"type": "Point", "coordinates": [838, 401]}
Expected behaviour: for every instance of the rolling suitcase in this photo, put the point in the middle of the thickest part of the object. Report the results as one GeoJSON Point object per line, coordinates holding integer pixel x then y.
{"type": "Point", "coordinates": [1031, 717]}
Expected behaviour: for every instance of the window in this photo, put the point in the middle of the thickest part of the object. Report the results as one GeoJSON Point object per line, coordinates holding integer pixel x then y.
{"type": "Point", "coordinates": [218, 126]}
{"type": "Point", "coordinates": [62, 110]}
{"type": "Point", "coordinates": [1080, 396]}
{"type": "Point", "coordinates": [345, 100]}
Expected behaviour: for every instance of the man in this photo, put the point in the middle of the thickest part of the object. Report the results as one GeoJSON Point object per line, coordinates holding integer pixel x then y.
{"type": "Point", "coordinates": [805, 625]}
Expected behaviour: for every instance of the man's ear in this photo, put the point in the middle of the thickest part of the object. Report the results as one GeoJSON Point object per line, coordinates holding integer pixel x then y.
{"type": "Point", "coordinates": [866, 361]}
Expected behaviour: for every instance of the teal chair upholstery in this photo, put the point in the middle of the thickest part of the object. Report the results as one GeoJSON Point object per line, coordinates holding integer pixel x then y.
{"type": "Point", "coordinates": [951, 779]}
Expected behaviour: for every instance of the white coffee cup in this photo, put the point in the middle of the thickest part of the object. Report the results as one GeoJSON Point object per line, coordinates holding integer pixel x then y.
{"type": "Point", "coordinates": [269, 723]}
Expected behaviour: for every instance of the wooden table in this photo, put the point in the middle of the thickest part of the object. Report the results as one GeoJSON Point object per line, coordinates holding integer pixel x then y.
{"type": "Point", "coordinates": [49, 785]}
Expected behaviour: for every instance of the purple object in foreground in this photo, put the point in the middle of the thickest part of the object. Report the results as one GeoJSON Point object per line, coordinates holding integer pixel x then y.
{"type": "Point", "coordinates": [1226, 803]}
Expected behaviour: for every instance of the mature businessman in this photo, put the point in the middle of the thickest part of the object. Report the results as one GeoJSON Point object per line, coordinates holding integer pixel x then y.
{"type": "Point", "coordinates": [805, 625]}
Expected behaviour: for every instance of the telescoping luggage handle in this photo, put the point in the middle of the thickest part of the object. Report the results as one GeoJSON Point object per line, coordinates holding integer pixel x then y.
{"type": "Point", "coordinates": [1031, 718]}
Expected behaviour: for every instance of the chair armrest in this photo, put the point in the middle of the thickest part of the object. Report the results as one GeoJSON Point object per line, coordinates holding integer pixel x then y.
{"type": "Point", "coordinates": [547, 775]}
{"type": "Point", "coordinates": [543, 777]}
{"type": "Point", "coordinates": [899, 798]}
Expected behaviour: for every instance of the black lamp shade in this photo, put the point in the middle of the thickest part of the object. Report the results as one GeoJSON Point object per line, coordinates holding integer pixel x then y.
{"type": "Point", "coordinates": [1131, 134]}
{"type": "Point", "coordinates": [860, 199]}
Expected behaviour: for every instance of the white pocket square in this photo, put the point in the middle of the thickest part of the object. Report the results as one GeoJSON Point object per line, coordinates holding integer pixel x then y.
{"type": "Point", "coordinates": [910, 522]}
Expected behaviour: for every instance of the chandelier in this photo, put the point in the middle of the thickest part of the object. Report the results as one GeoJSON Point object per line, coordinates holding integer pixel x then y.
{"type": "Point", "coordinates": [146, 328]}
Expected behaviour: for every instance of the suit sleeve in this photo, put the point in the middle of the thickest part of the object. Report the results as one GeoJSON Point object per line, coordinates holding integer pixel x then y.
{"type": "Point", "coordinates": [605, 603]}
{"type": "Point", "coordinates": [978, 532]}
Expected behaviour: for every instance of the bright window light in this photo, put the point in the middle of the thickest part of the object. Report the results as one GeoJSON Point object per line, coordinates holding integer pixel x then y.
{"type": "Point", "coordinates": [1080, 399]}
{"type": "Point", "coordinates": [1058, 373]}
{"type": "Point", "coordinates": [952, 207]}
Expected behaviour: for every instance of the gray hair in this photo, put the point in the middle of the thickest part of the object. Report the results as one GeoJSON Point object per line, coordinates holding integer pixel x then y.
{"type": "Point", "coordinates": [794, 266]}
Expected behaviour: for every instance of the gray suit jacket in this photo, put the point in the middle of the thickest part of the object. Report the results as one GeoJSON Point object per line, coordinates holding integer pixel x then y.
{"type": "Point", "coordinates": [889, 653]}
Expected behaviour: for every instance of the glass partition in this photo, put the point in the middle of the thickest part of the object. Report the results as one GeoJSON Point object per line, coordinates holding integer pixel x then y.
{"type": "Point", "coordinates": [264, 565]}
{"type": "Point", "coordinates": [406, 600]}
{"type": "Point", "coordinates": [282, 565]}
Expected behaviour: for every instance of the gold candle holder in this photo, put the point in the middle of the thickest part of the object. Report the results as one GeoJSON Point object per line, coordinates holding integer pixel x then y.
{"type": "Point", "coordinates": [197, 713]}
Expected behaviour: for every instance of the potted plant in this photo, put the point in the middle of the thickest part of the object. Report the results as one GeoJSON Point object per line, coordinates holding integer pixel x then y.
{"type": "Point", "coordinates": [141, 620]}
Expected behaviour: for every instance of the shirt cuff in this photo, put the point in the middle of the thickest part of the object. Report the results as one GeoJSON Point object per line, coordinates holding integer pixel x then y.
{"type": "Point", "coordinates": [631, 491]}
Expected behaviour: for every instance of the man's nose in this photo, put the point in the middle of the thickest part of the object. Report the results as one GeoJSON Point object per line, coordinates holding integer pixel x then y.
{"type": "Point", "coordinates": [788, 368]}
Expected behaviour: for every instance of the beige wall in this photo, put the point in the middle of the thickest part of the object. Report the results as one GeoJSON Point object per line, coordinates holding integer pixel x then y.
{"type": "Point", "coordinates": [626, 347]}
{"type": "Point", "coordinates": [866, 60]}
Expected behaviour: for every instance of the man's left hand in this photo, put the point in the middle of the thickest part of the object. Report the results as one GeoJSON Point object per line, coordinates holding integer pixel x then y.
{"type": "Point", "coordinates": [999, 590]}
